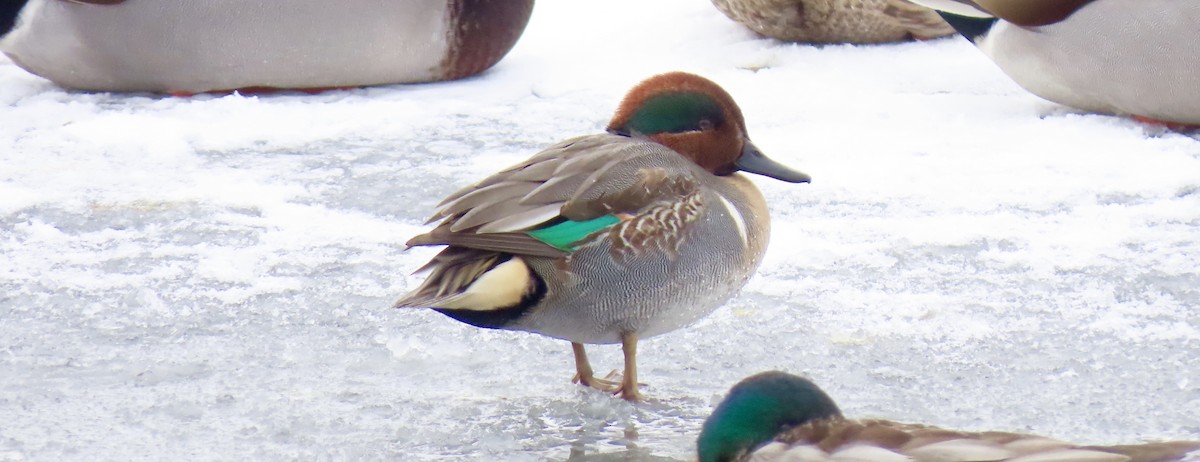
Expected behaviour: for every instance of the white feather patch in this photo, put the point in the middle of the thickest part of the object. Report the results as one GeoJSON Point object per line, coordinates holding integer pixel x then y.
{"type": "Point", "coordinates": [960, 450]}
{"type": "Point", "coordinates": [499, 287]}
{"type": "Point", "coordinates": [738, 220]}
{"type": "Point", "coordinates": [865, 453]}
{"type": "Point", "coordinates": [1072, 455]}
{"type": "Point", "coordinates": [1035, 444]}
{"type": "Point", "coordinates": [802, 453]}
{"type": "Point", "coordinates": [523, 220]}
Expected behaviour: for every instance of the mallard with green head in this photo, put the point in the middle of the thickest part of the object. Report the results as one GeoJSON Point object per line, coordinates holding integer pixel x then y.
{"type": "Point", "coordinates": [776, 417]}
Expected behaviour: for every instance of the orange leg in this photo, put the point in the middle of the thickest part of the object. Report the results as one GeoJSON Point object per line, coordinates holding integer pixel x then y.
{"type": "Point", "coordinates": [629, 383]}
{"type": "Point", "coordinates": [1175, 126]}
{"type": "Point", "coordinates": [584, 375]}
{"type": "Point", "coordinates": [259, 91]}
{"type": "Point", "coordinates": [627, 387]}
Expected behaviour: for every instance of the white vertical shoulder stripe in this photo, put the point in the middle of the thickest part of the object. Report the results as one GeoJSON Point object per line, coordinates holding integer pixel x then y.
{"type": "Point", "coordinates": [738, 220]}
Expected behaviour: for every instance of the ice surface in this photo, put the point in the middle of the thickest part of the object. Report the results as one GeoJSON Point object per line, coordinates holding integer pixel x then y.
{"type": "Point", "coordinates": [209, 278]}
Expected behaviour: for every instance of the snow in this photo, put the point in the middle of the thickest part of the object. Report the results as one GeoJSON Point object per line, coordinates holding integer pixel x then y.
{"type": "Point", "coordinates": [209, 278]}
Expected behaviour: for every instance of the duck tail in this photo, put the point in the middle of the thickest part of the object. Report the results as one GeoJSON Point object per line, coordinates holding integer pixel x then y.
{"type": "Point", "coordinates": [921, 22]}
{"type": "Point", "coordinates": [475, 280]}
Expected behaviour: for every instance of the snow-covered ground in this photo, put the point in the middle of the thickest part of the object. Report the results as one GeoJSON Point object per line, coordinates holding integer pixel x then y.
{"type": "Point", "coordinates": [210, 278]}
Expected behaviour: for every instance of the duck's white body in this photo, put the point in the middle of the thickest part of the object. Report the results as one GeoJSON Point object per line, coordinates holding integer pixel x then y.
{"type": "Point", "coordinates": [205, 45]}
{"type": "Point", "coordinates": [1138, 57]}
{"type": "Point", "coordinates": [1128, 57]}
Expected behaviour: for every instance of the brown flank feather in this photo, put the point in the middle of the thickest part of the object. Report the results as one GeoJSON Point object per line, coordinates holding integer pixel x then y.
{"type": "Point", "coordinates": [830, 435]}
{"type": "Point", "coordinates": [484, 32]}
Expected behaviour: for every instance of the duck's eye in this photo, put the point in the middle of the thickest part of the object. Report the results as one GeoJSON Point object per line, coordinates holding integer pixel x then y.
{"type": "Point", "coordinates": [705, 125]}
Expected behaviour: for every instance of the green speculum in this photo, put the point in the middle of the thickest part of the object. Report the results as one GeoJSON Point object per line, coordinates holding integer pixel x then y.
{"type": "Point", "coordinates": [566, 234]}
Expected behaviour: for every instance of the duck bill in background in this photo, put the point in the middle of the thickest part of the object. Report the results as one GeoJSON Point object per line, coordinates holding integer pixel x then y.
{"type": "Point", "coordinates": [960, 8]}
{"type": "Point", "coordinates": [966, 17]}
{"type": "Point", "coordinates": [1024, 13]}
{"type": "Point", "coordinates": [753, 161]}
{"type": "Point", "coordinates": [9, 11]}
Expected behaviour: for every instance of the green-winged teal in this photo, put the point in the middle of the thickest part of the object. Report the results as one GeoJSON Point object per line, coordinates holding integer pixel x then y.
{"type": "Point", "coordinates": [613, 237]}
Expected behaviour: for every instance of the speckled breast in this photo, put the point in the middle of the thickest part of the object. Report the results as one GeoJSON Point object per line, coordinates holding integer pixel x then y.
{"type": "Point", "coordinates": [656, 291]}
